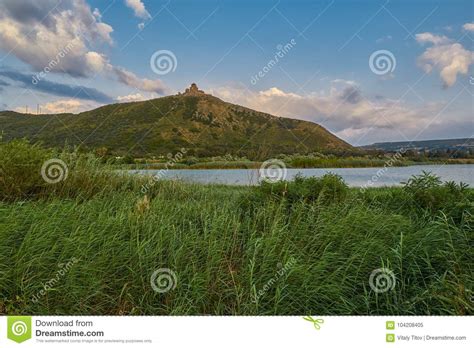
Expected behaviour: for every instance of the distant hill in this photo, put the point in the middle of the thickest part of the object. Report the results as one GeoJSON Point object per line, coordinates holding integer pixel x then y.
{"type": "Point", "coordinates": [424, 145]}
{"type": "Point", "coordinates": [199, 122]}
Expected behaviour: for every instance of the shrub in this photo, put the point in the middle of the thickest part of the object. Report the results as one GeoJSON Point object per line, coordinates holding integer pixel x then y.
{"type": "Point", "coordinates": [190, 160]}
{"type": "Point", "coordinates": [327, 189]}
{"type": "Point", "coordinates": [21, 174]}
{"type": "Point", "coordinates": [20, 169]}
{"type": "Point", "coordinates": [332, 188]}
{"type": "Point", "coordinates": [429, 193]}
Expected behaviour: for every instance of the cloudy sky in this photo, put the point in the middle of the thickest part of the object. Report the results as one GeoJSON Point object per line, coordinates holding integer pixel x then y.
{"type": "Point", "coordinates": [368, 71]}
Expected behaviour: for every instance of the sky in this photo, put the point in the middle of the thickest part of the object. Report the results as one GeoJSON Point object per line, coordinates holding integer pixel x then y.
{"type": "Point", "coordinates": [368, 71]}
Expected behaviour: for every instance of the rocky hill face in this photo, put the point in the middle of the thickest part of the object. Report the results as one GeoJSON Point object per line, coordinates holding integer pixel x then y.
{"type": "Point", "coordinates": [201, 123]}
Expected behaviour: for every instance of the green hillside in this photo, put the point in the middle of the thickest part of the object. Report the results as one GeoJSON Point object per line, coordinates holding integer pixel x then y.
{"type": "Point", "coordinates": [201, 123]}
{"type": "Point", "coordinates": [425, 145]}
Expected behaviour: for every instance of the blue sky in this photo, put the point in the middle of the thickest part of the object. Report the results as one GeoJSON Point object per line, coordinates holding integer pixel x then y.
{"type": "Point", "coordinates": [323, 77]}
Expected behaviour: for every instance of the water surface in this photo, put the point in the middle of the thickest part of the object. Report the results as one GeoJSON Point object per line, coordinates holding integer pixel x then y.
{"type": "Point", "coordinates": [357, 177]}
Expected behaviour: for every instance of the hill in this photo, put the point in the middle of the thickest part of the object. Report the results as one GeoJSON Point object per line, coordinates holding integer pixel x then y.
{"type": "Point", "coordinates": [425, 145]}
{"type": "Point", "coordinates": [201, 123]}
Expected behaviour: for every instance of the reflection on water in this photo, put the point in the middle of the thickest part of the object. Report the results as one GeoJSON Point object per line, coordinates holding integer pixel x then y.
{"type": "Point", "coordinates": [353, 176]}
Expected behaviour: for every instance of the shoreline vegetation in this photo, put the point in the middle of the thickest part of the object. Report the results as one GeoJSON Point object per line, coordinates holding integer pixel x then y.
{"type": "Point", "coordinates": [358, 159]}
{"type": "Point", "coordinates": [312, 245]}
{"type": "Point", "coordinates": [304, 162]}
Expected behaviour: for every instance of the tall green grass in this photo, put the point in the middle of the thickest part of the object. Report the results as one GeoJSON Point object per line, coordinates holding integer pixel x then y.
{"type": "Point", "coordinates": [308, 246]}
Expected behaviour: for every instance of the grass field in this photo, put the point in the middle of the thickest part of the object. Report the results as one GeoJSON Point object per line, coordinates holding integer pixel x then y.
{"type": "Point", "coordinates": [93, 244]}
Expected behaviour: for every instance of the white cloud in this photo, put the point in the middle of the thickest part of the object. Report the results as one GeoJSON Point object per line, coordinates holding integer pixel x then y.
{"type": "Point", "coordinates": [450, 58]}
{"type": "Point", "coordinates": [343, 109]}
{"type": "Point", "coordinates": [431, 38]}
{"type": "Point", "coordinates": [138, 8]}
{"type": "Point", "coordinates": [384, 39]}
{"type": "Point", "coordinates": [130, 98]}
{"type": "Point", "coordinates": [63, 106]}
{"type": "Point", "coordinates": [62, 41]}
{"type": "Point", "coordinates": [468, 26]}
{"type": "Point", "coordinates": [59, 41]}
{"type": "Point", "coordinates": [130, 79]}
{"type": "Point", "coordinates": [59, 106]}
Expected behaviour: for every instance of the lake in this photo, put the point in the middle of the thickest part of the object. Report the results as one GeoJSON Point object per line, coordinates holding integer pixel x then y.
{"type": "Point", "coordinates": [356, 177]}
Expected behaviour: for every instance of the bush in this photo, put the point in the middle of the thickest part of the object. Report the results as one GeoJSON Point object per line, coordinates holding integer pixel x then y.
{"type": "Point", "coordinates": [22, 175]}
{"type": "Point", "coordinates": [190, 160]}
{"type": "Point", "coordinates": [20, 169]}
{"type": "Point", "coordinates": [327, 189]}
{"type": "Point", "coordinates": [428, 193]}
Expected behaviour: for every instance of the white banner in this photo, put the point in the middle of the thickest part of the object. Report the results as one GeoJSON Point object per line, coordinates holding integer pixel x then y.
{"type": "Point", "coordinates": [238, 332]}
